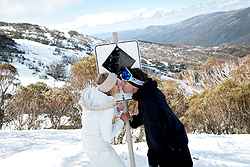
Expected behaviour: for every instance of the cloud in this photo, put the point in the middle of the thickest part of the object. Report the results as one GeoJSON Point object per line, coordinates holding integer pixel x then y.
{"type": "Point", "coordinates": [143, 17]}
{"type": "Point", "coordinates": [115, 17]}
{"type": "Point", "coordinates": [225, 5]}
{"type": "Point", "coordinates": [118, 20]}
{"type": "Point", "coordinates": [52, 13]}
{"type": "Point", "coordinates": [31, 8]}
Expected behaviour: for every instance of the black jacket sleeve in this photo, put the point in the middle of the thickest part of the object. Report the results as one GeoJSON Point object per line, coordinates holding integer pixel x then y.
{"type": "Point", "coordinates": [136, 121]}
{"type": "Point", "coordinates": [164, 107]}
{"type": "Point", "coordinates": [172, 123]}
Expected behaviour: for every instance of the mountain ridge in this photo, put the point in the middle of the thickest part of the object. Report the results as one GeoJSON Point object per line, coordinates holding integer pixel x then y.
{"type": "Point", "coordinates": [212, 29]}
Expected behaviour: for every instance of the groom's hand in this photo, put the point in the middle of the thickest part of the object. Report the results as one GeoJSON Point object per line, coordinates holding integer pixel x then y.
{"type": "Point", "coordinates": [120, 107]}
{"type": "Point", "coordinates": [125, 116]}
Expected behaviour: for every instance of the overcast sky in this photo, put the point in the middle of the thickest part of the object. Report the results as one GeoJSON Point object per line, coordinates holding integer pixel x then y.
{"type": "Point", "coordinates": [98, 16]}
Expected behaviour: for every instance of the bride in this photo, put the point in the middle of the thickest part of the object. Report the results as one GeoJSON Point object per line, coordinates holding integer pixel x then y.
{"type": "Point", "coordinates": [98, 114]}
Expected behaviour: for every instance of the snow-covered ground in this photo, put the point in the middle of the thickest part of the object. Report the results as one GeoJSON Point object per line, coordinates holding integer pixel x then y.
{"type": "Point", "coordinates": [63, 148]}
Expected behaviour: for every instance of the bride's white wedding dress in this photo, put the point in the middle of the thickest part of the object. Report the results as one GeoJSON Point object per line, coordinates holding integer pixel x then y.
{"type": "Point", "coordinates": [98, 130]}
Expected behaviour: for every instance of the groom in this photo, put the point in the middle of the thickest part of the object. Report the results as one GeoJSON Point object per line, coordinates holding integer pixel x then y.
{"type": "Point", "coordinates": [165, 134]}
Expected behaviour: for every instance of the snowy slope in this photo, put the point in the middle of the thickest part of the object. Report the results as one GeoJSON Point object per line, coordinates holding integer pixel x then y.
{"type": "Point", "coordinates": [45, 53]}
{"type": "Point", "coordinates": [38, 47]}
{"type": "Point", "coordinates": [38, 57]}
{"type": "Point", "coordinates": [63, 148]}
{"type": "Point", "coordinates": [27, 76]}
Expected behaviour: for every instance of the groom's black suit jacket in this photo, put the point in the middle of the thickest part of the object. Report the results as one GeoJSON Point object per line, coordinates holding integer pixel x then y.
{"type": "Point", "coordinates": [165, 134]}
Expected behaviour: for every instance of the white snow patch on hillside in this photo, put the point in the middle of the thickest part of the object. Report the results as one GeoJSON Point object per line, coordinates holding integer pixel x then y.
{"type": "Point", "coordinates": [40, 56]}
{"type": "Point", "coordinates": [44, 53]}
{"type": "Point", "coordinates": [26, 77]}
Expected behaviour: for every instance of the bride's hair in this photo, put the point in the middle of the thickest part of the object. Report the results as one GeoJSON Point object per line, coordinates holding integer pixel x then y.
{"type": "Point", "coordinates": [100, 79]}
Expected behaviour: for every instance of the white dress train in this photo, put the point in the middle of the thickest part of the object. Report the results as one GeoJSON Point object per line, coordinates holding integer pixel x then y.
{"type": "Point", "coordinates": [98, 130]}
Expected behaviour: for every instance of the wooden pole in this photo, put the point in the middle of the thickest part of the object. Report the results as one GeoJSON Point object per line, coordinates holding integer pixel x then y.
{"type": "Point", "coordinates": [129, 137]}
{"type": "Point", "coordinates": [127, 125]}
{"type": "Point", "coordinates": [115, 37]}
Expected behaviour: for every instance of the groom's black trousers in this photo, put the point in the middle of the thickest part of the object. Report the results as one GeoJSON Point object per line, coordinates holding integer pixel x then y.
{"type": "Point", "coordinates": [172, 157]}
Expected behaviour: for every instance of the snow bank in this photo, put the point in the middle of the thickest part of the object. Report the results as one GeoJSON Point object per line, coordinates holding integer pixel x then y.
{"type": "Point", "coordinates": [62, 148]}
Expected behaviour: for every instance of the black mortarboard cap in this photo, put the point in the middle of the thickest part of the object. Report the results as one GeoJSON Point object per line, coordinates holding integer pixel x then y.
{"type": "Point", "coordinates": [117, 60]}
